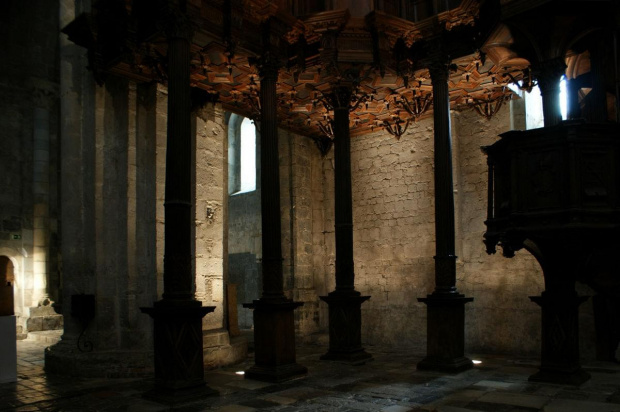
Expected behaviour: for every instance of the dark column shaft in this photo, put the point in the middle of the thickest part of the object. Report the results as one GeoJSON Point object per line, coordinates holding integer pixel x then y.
{"type": "Point", "coordinates": [550, 92]}
{"type": "Point", "coordinates": [343, 198]}
{"type": "Point", "coordinates": [598, 94]}
{"type": "Point", "coordinates": [572, 100]}
{"type": "Point", "coordinates": [345, 313]}
{"type": "Point", "coordinates": [549, 74]}
{"type": "Point", "coordinates": [270, 186]}
{"type": "Point", "coordinates": [445, 259]}
{"type": "Point", "coordinates": [179, 281]}
{"type": "Point", "coordinates": [445, 321]}
{"type": "Point", "coordinates": [178, 344]}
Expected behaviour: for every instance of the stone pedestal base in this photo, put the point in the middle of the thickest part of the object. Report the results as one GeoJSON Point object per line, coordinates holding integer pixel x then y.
{"type": "Point", "coordinates": [345, 328]}
{"type": "Point", "coordinates": [274, 341]}
{"type": "Point", "coordinates": [65, 358]}
{"type": "Point", "coordinates": [8, 349]}
{"type": "Point", "coordinates": [559, 361]}
{"type": "Point", "coordinates": [445, 325]}
{"type": "Point", "coordinates": [44, 318]}
{"type": "Point", "coordinates": [179, 367]}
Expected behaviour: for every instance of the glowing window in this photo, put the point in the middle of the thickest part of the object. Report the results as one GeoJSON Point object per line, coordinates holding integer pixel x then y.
{"type": "Point", "coordinates": [241, 155]}
{"type": "Point", "coordinates": [248, 156]}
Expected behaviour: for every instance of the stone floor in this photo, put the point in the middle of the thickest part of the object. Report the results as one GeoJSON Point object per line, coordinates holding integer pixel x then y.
{"type": "Point", "coordinates": [390, 383]}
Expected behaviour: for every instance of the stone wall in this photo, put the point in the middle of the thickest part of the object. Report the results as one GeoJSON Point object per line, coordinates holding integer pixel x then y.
{"type": "Point", "coordinates": [244, 236]}
{"type": "Point", "coordinates": [299, 157]}
{"type": "Point", "coordinates": [393, 208]}
{"type": "Point", "coordinates": [301, 205]}
{"type": "Point", "coordinates": [211, 176]}
{"type": "Point", "coordinates": [29, 83]}
{"type": "Point", "coordinates": [393, 222]}
{"type": "Point", "coordinates": [501, 318]}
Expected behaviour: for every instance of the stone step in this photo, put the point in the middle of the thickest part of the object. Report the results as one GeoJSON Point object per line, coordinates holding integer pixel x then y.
{"type": "Point", "coordinates": [49, 337]}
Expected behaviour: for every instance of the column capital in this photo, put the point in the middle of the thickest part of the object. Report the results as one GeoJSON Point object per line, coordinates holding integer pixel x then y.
{"type": "Point", "coordinates": [177, 24]}
{"type": "Point", "coordinates": [267, 64]}
{"type": "Point", "coordinates": [439, 69]}
{"type": "Point", "coordinates": [339, 96]}
{"type": "Point", "coordinates": [43, 92]}
{"type": "Point", "coordinates": [548, 73]}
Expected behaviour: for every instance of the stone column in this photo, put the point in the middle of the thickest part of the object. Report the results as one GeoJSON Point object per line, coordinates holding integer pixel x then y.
{"type": "Point", "coordinates": [445, 306]}
{"type": "Point", "coordinates": [178, 315]}
{"type": "Point", "coordinates": [598, 95]}
{"type": "Point", "coordinates": [345, 316]}
{"type": "Point", "coordinates": [572, 98]}
{"type": "Point", "coordinates": [41, 187]}
{"type": "Point", "coordinates": [274, 323]}
{"type": "Point", "coordinates": [549, 73]}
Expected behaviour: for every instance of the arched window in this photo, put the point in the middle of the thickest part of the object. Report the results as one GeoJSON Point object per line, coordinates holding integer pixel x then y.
{"type": "Point", "coordinates": [241, 155]}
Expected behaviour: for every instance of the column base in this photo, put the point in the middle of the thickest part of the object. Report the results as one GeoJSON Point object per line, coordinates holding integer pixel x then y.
{"type": "Point", "coordinates": [450, 365]}
{"type": "Point", "coordinates": [178, 346]}
{"type": "Point", "coordinates": [274, 341]}
{"type": "Point", "coordinates": [276, 373]}
{"type": "Point", "coordinates": [575, 378]}
{"type": "Point", "coordinates": [345, 328]}
{"type": "Point", "coordinates": [445, 325]}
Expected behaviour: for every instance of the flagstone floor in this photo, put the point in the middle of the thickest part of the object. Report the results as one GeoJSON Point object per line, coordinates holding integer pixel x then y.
{"type": "Point", "coordinates": [390, 383]}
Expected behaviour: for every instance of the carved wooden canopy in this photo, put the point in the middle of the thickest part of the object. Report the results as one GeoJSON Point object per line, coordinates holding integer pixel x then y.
{"type": "Point", "coordinates": [384, 57]}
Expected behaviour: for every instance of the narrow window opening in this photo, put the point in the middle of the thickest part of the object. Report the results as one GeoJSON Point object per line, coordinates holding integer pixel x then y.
{"type": "Point", "coordinates": [248, 156]}
{"type": "Point", "coordinates": [241, 155]}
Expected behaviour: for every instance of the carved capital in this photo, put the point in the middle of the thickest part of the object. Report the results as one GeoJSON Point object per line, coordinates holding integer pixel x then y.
{"type": "Point", "coordinates": [439, 69]}
{"type": "Point", "coordinates": [339, 97]}
{"type": "Point", "coordinates": [548, 73]}
{"type": "Point", "coordinates": [42, 92]}
{"type": "Point", "coordinates": [267, 65]}
{"type": "Point", "coordinates": [176, 24]}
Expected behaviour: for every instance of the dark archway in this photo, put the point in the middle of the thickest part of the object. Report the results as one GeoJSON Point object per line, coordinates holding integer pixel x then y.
{"type": "Point", "coordinates": [7, 279]}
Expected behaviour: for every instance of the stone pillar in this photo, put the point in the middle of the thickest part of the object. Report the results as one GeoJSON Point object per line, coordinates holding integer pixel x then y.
{"type": "Point", "coordinates": [77, 148]}
{"type": "Point", "coordinates": [274, 323]}
{"type": "Point", "coordinates": [42, 314]}
{"type": "Point", "coordinates": [345, 316]}
{"type": "Point", "coordinates": [572, 98]}
{"type": "Point", "coordinates": [598, 95]}
{"type": "Point", "coordinates": [549, 73]}
{"type": "Point", "coordinates": [445, 306]}
{"type": "Point", "coordinates": [41, 187]}
{"type": "Point", "coordinates": [178, 315]}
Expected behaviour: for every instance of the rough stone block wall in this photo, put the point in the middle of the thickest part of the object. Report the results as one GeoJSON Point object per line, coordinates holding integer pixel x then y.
{"type": "Point", "coordinates": [296, 171]}
{"type": "Point", "coordinates": [29, 83]}
{"type": "Point", "coordinates": [393, 223]}
{"type": "Point", "coordinates": [211, 196]}
{"type": "Point", "coordinates": [501, 318]}
{"type": "Point", "coordinates": [393, 209]}
{"type": "Point", "coordinates": [244, 245]}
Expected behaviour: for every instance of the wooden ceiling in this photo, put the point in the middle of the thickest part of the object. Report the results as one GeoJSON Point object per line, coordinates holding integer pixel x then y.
{"type": "Point", "coordinates": [389, 56]}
